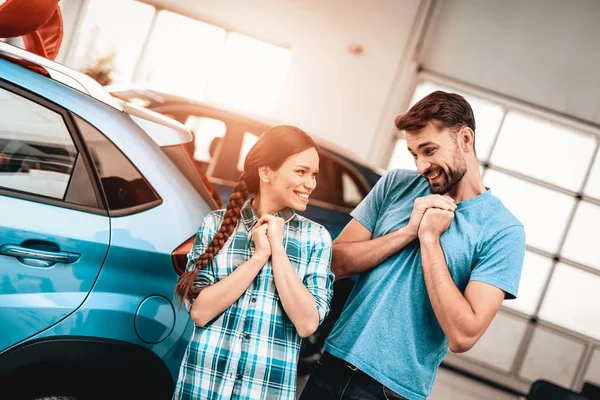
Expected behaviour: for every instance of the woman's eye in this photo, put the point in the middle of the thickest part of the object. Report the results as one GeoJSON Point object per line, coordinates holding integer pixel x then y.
{"type": "Point", "coordinates": [300, 172]}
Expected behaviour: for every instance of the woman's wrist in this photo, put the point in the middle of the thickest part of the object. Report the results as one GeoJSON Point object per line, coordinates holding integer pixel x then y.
{"type": "Point", "coordinates": [277, 247]}
{"type": "Point", "coordinates": [262, 256]}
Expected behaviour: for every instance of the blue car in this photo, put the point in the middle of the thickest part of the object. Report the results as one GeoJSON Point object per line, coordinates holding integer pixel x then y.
{"type": "Point", "coordinates": [99, 205]}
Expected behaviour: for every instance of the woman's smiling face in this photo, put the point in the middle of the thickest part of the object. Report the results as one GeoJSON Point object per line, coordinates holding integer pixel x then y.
{"type": "Point", "coordinates": [293, 182]}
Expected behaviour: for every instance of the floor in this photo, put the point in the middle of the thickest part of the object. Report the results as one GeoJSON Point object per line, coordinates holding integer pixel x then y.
{"type": "Point", "coordinates": [452, 386]}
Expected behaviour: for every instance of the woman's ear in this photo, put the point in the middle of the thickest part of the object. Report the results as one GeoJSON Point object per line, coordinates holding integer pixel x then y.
{"type": "Point", "coordinates": [264, 174]}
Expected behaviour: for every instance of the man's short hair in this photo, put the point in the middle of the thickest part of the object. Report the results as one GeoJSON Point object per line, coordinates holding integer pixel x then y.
{"type": "Point", "coordinates": [441, 109]}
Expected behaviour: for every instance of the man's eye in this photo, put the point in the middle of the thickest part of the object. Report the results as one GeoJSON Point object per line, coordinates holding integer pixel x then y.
{"type": "Point", "coordinates": [430, 151]}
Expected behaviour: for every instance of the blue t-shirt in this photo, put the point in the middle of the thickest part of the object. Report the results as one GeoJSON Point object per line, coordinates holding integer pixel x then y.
{"type": "Point", "coordinates": [388, 328]}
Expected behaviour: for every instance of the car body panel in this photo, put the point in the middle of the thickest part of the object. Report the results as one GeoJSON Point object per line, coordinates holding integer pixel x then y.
{"type": "Point", "coordinates": [35, 297]}
{"type": "Point", "coordinates": [122, 285]}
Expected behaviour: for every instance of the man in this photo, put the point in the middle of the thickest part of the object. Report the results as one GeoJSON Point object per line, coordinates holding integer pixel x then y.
{"type": "Point", "coordinates": [437, 254]}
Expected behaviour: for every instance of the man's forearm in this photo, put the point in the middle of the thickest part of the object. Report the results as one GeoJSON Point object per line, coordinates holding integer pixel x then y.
{"type": "Point", "coordinates": [351, 258]}
{"type": "Point", "coordinates": [452, 310]}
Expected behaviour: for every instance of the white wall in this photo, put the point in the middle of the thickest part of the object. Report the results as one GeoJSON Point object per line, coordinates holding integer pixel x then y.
{"type": "Point", "coordinates": [546, 52]}
{"type": "Point", "coordinates": [328, 91]}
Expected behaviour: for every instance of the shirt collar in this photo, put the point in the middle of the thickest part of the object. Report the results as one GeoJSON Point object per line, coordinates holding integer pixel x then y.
{"type": "Point", "coordinates": [249, 218]}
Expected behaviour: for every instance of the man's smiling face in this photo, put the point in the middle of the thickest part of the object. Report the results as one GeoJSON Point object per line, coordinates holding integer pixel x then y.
{"type": "Point", "coordinates": [438, 157]}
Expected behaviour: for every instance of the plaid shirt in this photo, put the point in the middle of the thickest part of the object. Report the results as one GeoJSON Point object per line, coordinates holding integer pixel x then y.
{"type": "Point", "coordinates": [251, 350]}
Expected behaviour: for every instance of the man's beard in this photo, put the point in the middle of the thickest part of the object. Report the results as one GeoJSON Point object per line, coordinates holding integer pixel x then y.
{"type": "Point", "coordinates": [450, 179]}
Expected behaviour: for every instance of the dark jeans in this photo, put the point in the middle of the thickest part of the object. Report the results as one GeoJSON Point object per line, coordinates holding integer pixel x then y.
{"type": "Point", "coordinates": [336, 379]}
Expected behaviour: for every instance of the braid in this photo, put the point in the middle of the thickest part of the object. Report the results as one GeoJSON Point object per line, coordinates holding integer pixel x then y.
{"type": "Point", "coordinates": [185, 288]}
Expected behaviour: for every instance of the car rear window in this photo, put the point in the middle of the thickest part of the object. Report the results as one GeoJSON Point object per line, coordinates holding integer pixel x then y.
{"type": "Point", "coordinates": [172, 137]}
{"type": "Point", "coordinates": [124, 186]}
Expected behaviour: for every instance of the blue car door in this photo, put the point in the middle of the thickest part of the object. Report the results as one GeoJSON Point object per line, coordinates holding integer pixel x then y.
{"type": "Point", "coordinates": [54, 233]}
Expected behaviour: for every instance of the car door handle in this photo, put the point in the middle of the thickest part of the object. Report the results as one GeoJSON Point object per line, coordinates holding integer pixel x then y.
{"type": "Point", "coordinates": [52, 256]}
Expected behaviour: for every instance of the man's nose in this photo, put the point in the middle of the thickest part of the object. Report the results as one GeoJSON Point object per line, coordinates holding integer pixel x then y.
{"type": "Point", "coordinates": [422, 166]}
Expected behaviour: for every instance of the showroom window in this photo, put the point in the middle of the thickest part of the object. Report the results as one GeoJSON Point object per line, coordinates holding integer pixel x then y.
{"type": "Point", "coordinates": [109, 42]}
{"type": "Point", "coordinates": [173, 53]}
{"type": "Point", "coordinates": [546, 170]}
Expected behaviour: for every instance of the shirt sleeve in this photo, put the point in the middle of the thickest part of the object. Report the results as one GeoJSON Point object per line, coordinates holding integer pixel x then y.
{"type": "Point", "coordinates": [501, 260]}
{"type": "Point", "coordinates": [368, 210]}
{"type": "Point", "coordinates": [319, 278]}
{"type": "Point", "coordinates": [206, 231]}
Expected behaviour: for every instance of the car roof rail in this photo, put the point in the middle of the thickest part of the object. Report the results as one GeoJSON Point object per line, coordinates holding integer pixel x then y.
{"type": "Point", "coordinates": [57, 72]}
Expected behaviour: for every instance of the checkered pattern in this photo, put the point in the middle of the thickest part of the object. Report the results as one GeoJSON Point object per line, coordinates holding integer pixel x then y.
{"type": "Point", "coordinates": [251, 350]}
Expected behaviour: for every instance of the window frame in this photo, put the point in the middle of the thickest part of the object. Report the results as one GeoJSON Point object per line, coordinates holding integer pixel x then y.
{"type": "Point", "coordinates": [81, 149]}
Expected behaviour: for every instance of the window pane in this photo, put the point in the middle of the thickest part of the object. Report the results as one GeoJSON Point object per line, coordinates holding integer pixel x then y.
{"type": "Point", "coordinates": [37, 154]}
{"type": "Point", "coordinates": [583, 237]}
{"type": "Point", "coordinates": [251, 75]}
{"type": "Point", "coordinates": [536, 269]}
{"type": "Point", "coordinates": [352, 194]}
{"type": "Point", "coordinates": [500, 343]}
{"type": "Point", "coordinates": [207, 134]}
{"type": "Point", "coordinates": [110, 39]}
{"type": "Point", "coordinates": [592, 188]}
{"type": "Point", "coordinates": [593, 372]}
{"type": "Point", "coordinates": [123, 184]}
{"type": "Point", "coordinates": [249, 140]}
{"type": "Point", "coordinates": [401, 158]}
{"type": "Point", "coordinates": [573, 300]}
{"type": "Point", "coordinates": [533, 205]}
{"type": "Point", "coordinates": [183, 55]}
{"type": "Point", "coordinates": [329, 185]}
{"type": "Point", "coordinates": [552, 357]}
{"type": "Point", "coordinates": [488, 116]}
{"type": "Point", "coordinates": [544, 150]}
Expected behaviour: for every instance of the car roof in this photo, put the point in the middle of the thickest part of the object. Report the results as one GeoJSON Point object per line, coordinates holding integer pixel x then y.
{"type": "Point", "coordinates": [150, 98]}
{"type": "Point", "coordinates": [57, 72]}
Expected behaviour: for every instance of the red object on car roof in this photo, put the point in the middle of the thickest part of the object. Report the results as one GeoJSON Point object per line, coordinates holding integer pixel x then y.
{"type": "Point", "coordinates": [38, 22]}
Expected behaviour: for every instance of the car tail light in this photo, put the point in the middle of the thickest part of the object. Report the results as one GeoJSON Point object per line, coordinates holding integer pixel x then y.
{"type": "Point", "coordinates": [179, 255]}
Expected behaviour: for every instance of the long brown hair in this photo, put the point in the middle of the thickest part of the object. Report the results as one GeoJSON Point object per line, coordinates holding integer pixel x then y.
{"type": "Point", "coordinates": [273, 147]}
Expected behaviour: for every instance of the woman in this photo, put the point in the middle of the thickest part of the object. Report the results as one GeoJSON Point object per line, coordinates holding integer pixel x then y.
{"type": "Point", "coordinates": [258, 278]}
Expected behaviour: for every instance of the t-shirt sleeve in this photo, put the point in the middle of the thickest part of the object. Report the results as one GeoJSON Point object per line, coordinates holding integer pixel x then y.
{"type": "Point", "coordinates": [206, 231]}
{"type": "Point", "coordinates": [501, 260]}
{"type": "Point", "coordinates": [319, 278]}
{"type": "Point", "coordinates": [368, 210]}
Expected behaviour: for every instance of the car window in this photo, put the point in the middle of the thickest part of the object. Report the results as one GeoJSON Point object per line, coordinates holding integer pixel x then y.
{"type": "Point", "coordinates": [337, 182]}
{"type": "Point", "coordinates": [351, 192]}
{"type": "Point", "coordinates": [207, 132]}
{"type": "Point", "coordinates": [37, 153]}
{"type": "Point", "coordinates": [249, 140]}
{"type": "Point", "coordinates": [122, 183]}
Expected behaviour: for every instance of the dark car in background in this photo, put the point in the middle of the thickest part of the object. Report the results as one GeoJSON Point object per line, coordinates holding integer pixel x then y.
{"type": "Point", "coordinates": [223, 137]}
